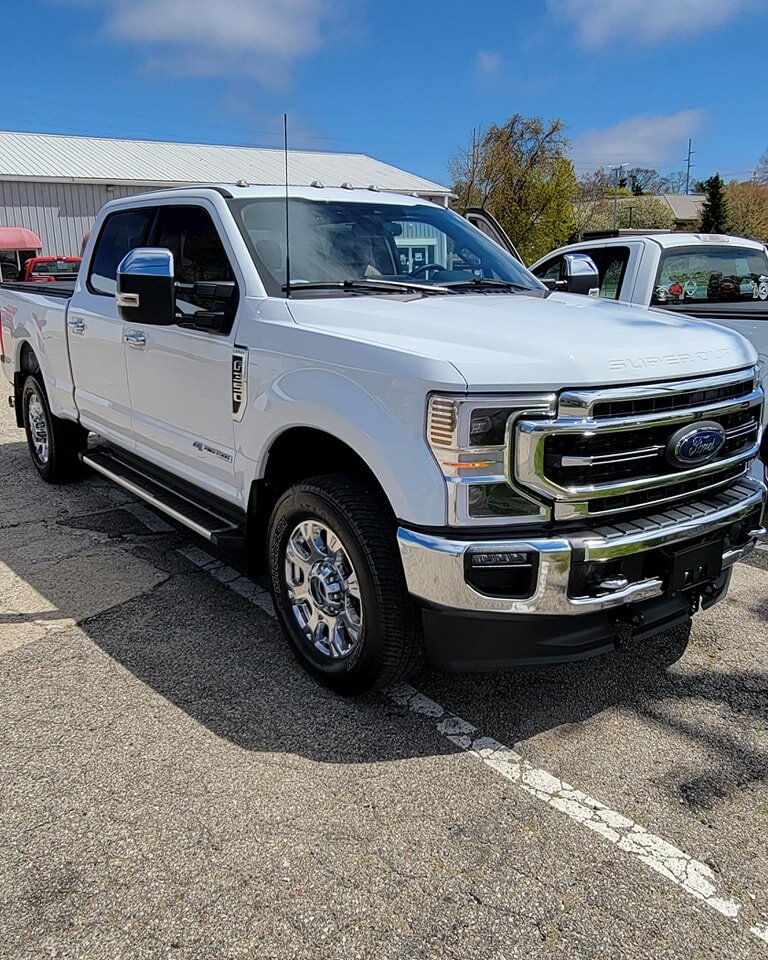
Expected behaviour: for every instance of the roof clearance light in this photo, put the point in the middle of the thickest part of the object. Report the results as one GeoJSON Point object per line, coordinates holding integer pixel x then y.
{"type": "Point", "coordinates": [347, 185]}
{"type": "Point", "coordinates": [317, 184]}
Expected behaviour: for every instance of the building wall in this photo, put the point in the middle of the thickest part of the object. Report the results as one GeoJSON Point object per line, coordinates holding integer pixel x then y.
{"type": "Point", "coordinates": [59, 213]}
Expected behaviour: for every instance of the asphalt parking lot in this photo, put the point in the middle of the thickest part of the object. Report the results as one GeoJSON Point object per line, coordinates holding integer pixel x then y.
{"type": "Point", "coordinates": [172, 785]}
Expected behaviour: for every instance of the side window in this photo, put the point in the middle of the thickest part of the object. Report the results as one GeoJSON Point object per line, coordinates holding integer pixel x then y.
{"type": "Point", "coordinates": [121, 233]}
{"type": "Point", "coordinates": [198, 254]}
{"type": "Point", "coordinates": [550, 270]}
{"type": "Point", "coordinates": [612, 265]}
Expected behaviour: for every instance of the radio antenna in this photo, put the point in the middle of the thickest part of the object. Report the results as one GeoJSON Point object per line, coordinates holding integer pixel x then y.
{"type": "Point", "coordinates": [287, 219]}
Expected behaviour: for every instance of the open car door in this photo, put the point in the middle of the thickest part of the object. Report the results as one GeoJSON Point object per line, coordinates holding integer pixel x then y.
{"type": "Point", "coordinates": [491, 227]}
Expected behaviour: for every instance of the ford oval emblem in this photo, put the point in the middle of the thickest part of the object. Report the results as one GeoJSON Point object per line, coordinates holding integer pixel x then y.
{"type": "Point", "coordinates": [695, 445]}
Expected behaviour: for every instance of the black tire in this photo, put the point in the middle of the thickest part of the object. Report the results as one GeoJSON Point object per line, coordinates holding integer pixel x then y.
{"type": "Point", "coordinates": [54, 444]}
{"type": "Point", "coordinates": [388, 645]}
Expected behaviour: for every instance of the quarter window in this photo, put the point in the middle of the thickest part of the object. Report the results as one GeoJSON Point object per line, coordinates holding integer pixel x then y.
{"type": "Point", "coordinates": [122, 232]}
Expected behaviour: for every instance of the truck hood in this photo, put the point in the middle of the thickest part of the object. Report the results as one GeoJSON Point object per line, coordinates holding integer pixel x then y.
{"type": "Point", "coordinates": [497, 341]}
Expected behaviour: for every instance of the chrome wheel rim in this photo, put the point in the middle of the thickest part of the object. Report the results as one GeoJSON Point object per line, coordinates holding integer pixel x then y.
{"type": "Point", "coordinates": [323, 589]}
{"type": "Point", "coordinates": [38, 428]}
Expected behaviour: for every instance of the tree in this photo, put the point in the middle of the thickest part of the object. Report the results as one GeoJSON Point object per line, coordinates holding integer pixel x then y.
{"type": "Point", "coordinates": [748, 209]}
{"type": "Point", "coordinates": [637, 213]}
{"type": "Point", "coordinates": [714, 213]}
{"type": "Point", "coordinates": [643, 180]}
{"type": "Point", "coordinates": [761, 171]}
{"type": "Point", "coordinates": [520, 173]}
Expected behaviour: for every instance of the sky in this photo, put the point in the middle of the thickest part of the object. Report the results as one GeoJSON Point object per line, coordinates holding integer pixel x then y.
{"type": "Point", "coordinates": [405, 82]}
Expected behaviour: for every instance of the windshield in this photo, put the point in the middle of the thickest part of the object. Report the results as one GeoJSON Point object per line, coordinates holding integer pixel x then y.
{"type": "Point", "coordinates": [721, 274]}
{"type": "Point", "coordinates": [334, 241]}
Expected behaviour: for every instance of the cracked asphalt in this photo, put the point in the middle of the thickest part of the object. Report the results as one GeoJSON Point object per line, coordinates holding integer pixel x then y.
{"type": "Point", "coordinates": [173, 786]}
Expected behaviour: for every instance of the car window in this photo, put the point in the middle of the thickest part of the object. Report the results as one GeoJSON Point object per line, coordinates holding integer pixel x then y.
{"type": "Point", "coordinates": [121, 233]}
{"type": "Point", "coordinates": [550, 270]}
{"type": "Point", "coordinates": [198, 253]}
{"type": "Point", "coordinates": [718, 274]}
{"type": "Point", "coordinates": [611, 265]}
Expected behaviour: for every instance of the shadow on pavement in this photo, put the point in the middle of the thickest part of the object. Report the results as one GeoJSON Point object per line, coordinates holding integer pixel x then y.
{"type": "Point", "coordinates": [224, 663]}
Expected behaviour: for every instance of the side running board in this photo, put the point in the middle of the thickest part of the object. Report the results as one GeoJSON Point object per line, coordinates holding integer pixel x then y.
{"type": "Point", "coordinates": [219, 530]}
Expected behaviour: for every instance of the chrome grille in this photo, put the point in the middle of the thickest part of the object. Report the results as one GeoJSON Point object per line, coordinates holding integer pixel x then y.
{"type": "Point", "coordinates": [605, 452]}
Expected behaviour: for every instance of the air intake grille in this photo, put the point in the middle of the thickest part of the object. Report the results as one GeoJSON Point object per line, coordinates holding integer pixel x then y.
{"type": "Point", "coordinates": [607, 453]}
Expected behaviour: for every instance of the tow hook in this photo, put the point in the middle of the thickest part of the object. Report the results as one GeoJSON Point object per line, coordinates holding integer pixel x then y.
{"type": "Point", "coordinates": [11, 402]}
{"type": "Point", "coordinates": [628, 620]}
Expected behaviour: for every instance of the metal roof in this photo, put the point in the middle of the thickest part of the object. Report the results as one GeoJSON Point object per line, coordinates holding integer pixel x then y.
{"type": "Point", "coordinates": [43, 156]}
{"type": "Point", "coordinates": [684, 207]}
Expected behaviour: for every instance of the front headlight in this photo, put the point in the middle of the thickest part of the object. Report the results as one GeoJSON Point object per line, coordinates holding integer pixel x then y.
{"type": "Point", "coordinates": [470, 438]}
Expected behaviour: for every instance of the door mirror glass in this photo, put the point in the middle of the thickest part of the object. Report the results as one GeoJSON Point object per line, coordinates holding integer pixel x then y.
{"type": "Point", "coordinates": [580, 274]}
{"type": "Point", "coordinates": [146, 288]}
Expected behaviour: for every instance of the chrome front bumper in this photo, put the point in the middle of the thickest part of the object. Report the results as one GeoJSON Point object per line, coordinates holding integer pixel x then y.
{"type": "Point", "coordinates": [435, 566]}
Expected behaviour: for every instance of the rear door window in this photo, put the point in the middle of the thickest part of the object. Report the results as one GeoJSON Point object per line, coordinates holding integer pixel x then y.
{"type": "Point", "coordinates": [121, 233]}
{"type": "Point", "coordinates": [612, 265]}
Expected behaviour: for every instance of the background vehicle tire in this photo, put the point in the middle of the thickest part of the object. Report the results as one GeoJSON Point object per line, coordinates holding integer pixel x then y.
{"type": "Point", "coordinates": [54, 444]}
{"type": "Point", "coordinates": [338, 585]}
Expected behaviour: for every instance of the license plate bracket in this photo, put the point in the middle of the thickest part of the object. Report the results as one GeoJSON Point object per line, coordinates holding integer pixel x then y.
{"type": "Point", "coordinates": [694, 566]}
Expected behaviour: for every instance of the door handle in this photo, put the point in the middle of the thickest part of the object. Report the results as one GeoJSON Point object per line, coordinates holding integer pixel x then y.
{"type": "Point", "coordinates": [135, 339]}
{"type": "Point", "coordinates": [76, 325]}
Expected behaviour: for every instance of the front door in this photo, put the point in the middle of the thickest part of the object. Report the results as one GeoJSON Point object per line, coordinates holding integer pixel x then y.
{"type": "Point", "coordinates": [180, 376]}
{"type": "Point", "coordinates": [95, 330]}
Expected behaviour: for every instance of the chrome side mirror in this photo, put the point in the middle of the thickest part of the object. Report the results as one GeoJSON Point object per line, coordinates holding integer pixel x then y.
{"type": "Point", "coordinates": [580, 274]}
{"type": "Point", "coordinates": [145, 287]}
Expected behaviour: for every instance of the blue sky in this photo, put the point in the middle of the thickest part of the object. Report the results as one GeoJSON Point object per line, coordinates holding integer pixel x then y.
{"type": "Point", "coordinates": [405, 82]}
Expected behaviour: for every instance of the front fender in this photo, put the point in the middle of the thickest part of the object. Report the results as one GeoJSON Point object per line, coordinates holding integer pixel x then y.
{"type": "Point", "coordinates": [379, 417]}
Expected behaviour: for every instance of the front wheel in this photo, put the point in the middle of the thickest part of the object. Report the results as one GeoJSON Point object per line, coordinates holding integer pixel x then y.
{"type": "Point", "coordinates": [54, 444]}
{"type": "Point", "coordinates": [338, 585]}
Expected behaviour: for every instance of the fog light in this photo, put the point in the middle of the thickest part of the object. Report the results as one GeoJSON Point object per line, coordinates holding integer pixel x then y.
{"type": "Point", "coordinates": [502, 573]}
{"type": "Point", "coordinates": [499, 559]}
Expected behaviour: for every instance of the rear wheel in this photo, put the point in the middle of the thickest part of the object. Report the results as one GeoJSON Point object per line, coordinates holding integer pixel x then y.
{"type": "Point", "coordinates": [54, 443]}
{"type": "Point", "coordinates": [338, 585]}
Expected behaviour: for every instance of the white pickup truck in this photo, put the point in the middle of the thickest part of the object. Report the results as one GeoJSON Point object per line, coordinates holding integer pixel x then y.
{"type": "Point", "coordinates": [422, 445]}
{"type": "Point", "coordinates": [713, 277]}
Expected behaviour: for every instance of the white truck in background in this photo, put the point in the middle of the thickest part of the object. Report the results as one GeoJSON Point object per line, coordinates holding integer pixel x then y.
{"type": "Point", "coordinates": [709, 276]}
{"type": "Point", "coordinates": [433, 451]}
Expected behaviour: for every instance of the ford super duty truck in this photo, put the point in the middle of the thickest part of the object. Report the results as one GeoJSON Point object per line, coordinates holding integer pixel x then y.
{"type": "Point", "coordinates": [421, 444]}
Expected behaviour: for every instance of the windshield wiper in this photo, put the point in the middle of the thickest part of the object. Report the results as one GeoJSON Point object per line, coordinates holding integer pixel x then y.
{"type": "Point", "coordinates": [372, 285]}
{"type": "Point", "coordinates": [486, 282]}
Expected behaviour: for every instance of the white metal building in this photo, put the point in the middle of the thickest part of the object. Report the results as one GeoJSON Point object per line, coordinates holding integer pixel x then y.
{"type": "Point", "coordinates": [55, 185]}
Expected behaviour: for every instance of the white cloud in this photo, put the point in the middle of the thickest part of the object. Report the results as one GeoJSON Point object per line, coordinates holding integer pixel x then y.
{"type": "Point", "coordinates": [600, 22]}
{"type": "Point", "coordinates": [260, 38]}
{"type": "Point", "coordinates": [488, 64]}
{"type": "Point", "coordinates": [651, 140]}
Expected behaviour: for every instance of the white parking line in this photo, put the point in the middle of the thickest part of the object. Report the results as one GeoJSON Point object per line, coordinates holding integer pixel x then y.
{"type": "Point", "coordinates": [688, 874]}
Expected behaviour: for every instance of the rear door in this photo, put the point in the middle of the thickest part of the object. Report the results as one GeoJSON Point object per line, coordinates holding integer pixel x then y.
{"type": "Point", "coordinates": [180, 377]}
{"type": "Point", "coordinates": [95, 329]}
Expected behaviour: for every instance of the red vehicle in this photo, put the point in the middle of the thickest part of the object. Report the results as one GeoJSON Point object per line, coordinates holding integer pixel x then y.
{"type": "Point", "coordinates": [17, 245]}
{"type": "Point", "coordinates": [50, 269]}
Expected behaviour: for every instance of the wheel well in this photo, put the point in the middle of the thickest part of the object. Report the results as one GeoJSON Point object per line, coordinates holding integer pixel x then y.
{"type": "Point", "coordinates": [296, 455]}
{"type": "Point", "coordinates": [28, 364]}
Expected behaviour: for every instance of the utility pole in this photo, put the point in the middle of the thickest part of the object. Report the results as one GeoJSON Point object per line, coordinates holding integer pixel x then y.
{"type": "Point", "coordinates": [616, 194]}
{"type": "Point", "coordinates": [691, 152]}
